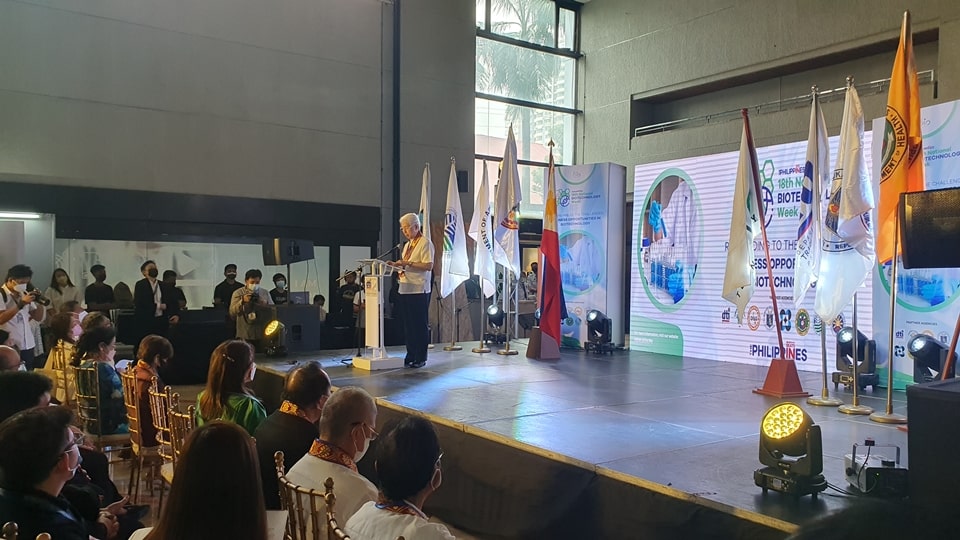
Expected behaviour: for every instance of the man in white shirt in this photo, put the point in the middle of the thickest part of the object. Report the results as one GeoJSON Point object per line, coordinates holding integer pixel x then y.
{"type": "Point", "coordinates": [346, 429]}
{"type": "Point", "coordinates": [18, 309]}
{"type": "Point", "coordinates": [408, 465]}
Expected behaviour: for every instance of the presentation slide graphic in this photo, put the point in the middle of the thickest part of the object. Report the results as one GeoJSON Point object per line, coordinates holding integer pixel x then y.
{"type": "Point", "coordinates": [680, 233]}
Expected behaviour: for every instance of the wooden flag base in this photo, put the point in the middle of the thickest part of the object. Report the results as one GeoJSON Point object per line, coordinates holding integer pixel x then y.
{"type": "Point", "coordinates": [542, 347]}
{"type": "Point", "coordinates": [782, 380]}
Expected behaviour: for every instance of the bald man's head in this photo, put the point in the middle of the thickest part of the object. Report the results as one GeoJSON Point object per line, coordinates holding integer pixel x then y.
{"type": "Point", "coordinates": [9, 359]}
{"type": "Point", "coordinates": [308, 387]}
{"type": "Point", "coordinates": [347, 408]}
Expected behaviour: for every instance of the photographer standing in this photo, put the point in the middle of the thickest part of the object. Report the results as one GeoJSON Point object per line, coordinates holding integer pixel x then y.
{"type": "Point", "coordinates": [250, 306]}
{"type": "Point", "coordinates": [19, 307]}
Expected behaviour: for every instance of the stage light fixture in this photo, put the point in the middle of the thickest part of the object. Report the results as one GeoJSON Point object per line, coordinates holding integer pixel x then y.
{"type": "Point", "coordinates": [495, 316]}
{"type": "Point", "coordinates": [929, 357]}
{"type": "Point", "coordinates": [792, 450]}
{"type": "Point", "coordinates": [866, 359]}
{"type": "Point", "coordinates": [599, 332]}
{"type": "Point", "coordinates": [275, 334]}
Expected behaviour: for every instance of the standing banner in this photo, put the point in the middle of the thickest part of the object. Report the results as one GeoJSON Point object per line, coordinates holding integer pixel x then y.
{"type": "Point", "coordinates": [686, 315]}
{"type": "Point", "coordinates": [926, 298]}
{"type": "Point", "coordinates": [590, 226]}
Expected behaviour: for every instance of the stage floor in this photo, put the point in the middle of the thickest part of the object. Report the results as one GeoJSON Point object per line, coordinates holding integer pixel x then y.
{"type": "Point", "coordinates": [689, 424]}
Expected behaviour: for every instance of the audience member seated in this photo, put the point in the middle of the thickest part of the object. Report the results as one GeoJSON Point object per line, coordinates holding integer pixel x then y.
{"type": "Point", "coordinates": [408, 466]}
{"type": "Point", "coordinates": [216, 491]}
{"type": "Point", "coordinates": [346, 429]}
{"type": "Point", "coordinates": [38, 455]}
{"type": "Point", "coordinates": [94, 320]}
{"type": "Point", "coordinates": [61, 291]}
{"type": "Point", "coordinates": [96, 349]}
{"type": "Point", "coordinates": [228, 395]}
{"type": "Point", "coordinates": [90, 487]}
{"type": "Point", "coordinates": [10, 359]}
{"type": "Point", "coordinates": [154, 352]}
{"type": "Point", "coordinates": [64, 331]}
{"type": "Point", "coordinates": [293, 427]}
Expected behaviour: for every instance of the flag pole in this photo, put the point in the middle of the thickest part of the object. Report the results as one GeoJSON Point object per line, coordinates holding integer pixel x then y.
{"type": "Point", "coordinates": [782, 379]}
{"type": "Point", "coordinates": [482, 348]}
{"type": "Point", "coordinates": [508, 290]}
{"type": "Point", "coordinates": [889, 417]}
{"type": "Point", "coordinates": [855, 407]}
{"type": "Point", "coordinates": [456, 323]}
{"type": "Point", "coordinates": [824, 400]}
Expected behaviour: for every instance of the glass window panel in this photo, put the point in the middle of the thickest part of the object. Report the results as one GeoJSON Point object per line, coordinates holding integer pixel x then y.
{"type": "Point", "coordinates": [527, 20]}
{"type": "Point", "coordinates": [515, 72]}
{"type": "Point", "coordinates": [482, 14]}
{"type": "Point", "coordinates": [532, 182]}
{"type": "Point", "coordinates": [568, 27]}
{"type": "Point", "coordinates": [199, 266]}
{"type": "Point", "coordinates": [533, 129]}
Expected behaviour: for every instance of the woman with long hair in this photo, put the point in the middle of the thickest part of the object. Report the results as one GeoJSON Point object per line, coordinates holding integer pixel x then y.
{"type": "Point", "coordinates": [216, 490]}
{"type": "Point", "coordinates": [154, 352]}
{"type": "Point", "coordinates": [96, 348]}
{"type": "Point", "coordinates": [61, 291]}
{"type": "Point", "coordinates": [228, 395]}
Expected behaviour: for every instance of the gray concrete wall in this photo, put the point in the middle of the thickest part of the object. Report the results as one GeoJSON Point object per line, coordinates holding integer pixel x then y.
{"type": "Point", "coordinates": [283, 99]}
{"type": "Point", "coordinates": [656, 47]}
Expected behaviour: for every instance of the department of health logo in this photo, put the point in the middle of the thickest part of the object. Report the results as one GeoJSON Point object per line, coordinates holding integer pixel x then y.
{"type": "Point", "coordinates": [803, 322]}
{"type": "Point", "coordinates": [838, 324]}
{"type": "Point", "coordinates": [894, 143]}
{"type": "Point", "coordinates": [753, 318]}
{"type": "Point", "coordinates": [563, 197]}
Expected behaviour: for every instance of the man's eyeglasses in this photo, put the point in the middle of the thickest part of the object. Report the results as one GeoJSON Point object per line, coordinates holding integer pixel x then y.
{"type": "Point", "coordinates": [373, 433]}
{"type": "Point", "coordinates": [439, 458]}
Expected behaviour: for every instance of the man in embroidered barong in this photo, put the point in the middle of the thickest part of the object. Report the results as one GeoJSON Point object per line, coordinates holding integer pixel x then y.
{"type": "Point", "coordinates": [347, 425]}
{"type": "Point", "coordinates": [293, 427]}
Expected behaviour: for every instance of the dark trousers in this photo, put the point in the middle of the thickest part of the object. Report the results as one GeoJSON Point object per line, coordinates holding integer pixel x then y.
{"type": "Point", "coordinates": [415, 308]}
{"type": "Point", "coordinates": [28, 358]}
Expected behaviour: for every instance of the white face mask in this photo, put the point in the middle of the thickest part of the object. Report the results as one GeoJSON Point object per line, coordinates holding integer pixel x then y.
{"type": "Point", "coordinates": [253, 372]}
{"type": "Point", "coordinates": [253, 286]}
{"type": "Point", "coordinates": [20, 288]}
{"type": "Point", "coordinates": [79, 461]}
{"type": "Point", "coordinates": [366, 445]}
{"type": "Point", "coordinates": [76, 331]}
{"type": "Point", "coordinates": [281, 284]}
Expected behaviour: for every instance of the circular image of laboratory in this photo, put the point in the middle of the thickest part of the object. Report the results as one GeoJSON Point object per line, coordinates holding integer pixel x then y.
{"type": "Point", "coordinates": [924, 289]}
{"type": "Point", "coordinates": [581, 262]}
{"type": "Point", "coordinates": [669, 238]}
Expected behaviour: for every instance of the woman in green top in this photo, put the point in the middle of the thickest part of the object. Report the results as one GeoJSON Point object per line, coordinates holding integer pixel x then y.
{"type": "Point", "coordinates": [227, 395]}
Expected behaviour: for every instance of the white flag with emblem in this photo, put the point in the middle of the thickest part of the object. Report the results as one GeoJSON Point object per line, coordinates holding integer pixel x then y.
{"type": "Point", "coordinates": [425, 203]}
{"type": "Point", "coordinates": [847, 242]}
{"type": "Point", "coordinates": [456, 266]}
{"type": "Point", "coordinates": [481, 230]}
{"type": "Point", "coordinates": [740, 274]}
{"type": "Point", "coordinates": [816, 174]}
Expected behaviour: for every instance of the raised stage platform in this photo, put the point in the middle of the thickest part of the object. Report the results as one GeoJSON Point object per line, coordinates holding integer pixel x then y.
{"type": "Point", "coordinates": [633, 445]}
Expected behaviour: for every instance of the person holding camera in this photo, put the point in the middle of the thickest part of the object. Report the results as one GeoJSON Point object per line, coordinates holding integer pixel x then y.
{"type": "Point", "coordinates": [19, 307]}
{"type": "Point", "coordinates": [250, 306]}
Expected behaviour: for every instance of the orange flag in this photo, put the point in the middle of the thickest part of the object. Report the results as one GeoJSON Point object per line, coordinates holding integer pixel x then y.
{"type": "Point", "coordinates": [902, 155]}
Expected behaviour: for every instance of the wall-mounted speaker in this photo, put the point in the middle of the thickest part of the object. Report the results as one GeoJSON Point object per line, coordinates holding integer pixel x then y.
{"type": "Point", "coordinates": [280, 251]}
{"type": "Point", "coordinates": [930, 228]}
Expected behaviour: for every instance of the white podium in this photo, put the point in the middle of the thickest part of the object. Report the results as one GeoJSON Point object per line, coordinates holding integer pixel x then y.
{"type": "Point", "coordinates": [375, 354]}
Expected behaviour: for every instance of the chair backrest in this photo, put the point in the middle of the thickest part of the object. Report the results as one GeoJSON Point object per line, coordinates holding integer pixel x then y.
{"type": "Point", "coordinates": [65, 388]}
{"type": "Point", "coordinates": [334, 532]}
{"type": "Point", "coordinates": [88, 398]}
{"type": "Point", "coordinates": [181, 424]}
{"type": "Point", "coordinates": [10, 530]}
{"type": "Point", "coordinates": [304, 507]}
{"type": "Point", "coordinates": [160, 402]}
{"type": "Point", "coordinates": [131, 403]}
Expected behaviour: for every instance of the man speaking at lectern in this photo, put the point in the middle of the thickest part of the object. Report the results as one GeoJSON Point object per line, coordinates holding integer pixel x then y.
{"type": "Point", "coordinates": [416, 269]}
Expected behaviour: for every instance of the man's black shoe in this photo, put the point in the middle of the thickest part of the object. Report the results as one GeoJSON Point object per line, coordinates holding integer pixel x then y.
{"type": "Point", "coordinates": [419, 364]}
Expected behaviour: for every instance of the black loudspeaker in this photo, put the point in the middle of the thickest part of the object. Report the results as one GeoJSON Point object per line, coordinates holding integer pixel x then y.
{"type": "Point", "coordinates": [462, 186]}
{"type": "Point", "coordinates": [934, 433]}
{"type": "Point", "coordinates": [929, 223]}
{"type": "Point", "coordinates": [280, 251]}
